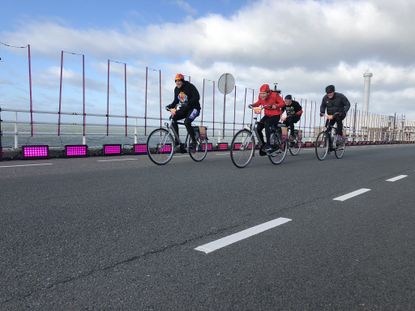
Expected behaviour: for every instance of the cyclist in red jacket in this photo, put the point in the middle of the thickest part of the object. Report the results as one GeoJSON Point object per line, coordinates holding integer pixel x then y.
{"type": "Point", "coordinates": [272, 103]}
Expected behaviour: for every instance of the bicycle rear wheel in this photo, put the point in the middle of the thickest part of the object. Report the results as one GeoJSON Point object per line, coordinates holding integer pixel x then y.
{"type": "Point", "coordinates": [160, 146]}
{"type": "Point", "coordinates": [242, 148]}
{"type": "Point", "coordinates": [340, 149]}
{"type": "Point", "coordinates": [322, 146]}
{"type": "Point", "coordinates": [295, 146]}
{"type": "Point", "coordinates": [278, 156]}
{"type": "Point", "coordinates": [199, 152]}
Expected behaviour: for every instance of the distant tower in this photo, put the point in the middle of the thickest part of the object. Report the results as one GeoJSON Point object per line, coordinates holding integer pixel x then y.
{"type": "Point", "coordinates": [367, 75]}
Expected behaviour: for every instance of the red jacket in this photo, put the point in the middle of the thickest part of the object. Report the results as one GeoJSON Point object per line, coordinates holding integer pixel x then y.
{"type": "Point", "coordinates": [273, 99]}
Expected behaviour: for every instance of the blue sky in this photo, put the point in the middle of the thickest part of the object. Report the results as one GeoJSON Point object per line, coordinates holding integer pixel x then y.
{"type": "Point", "coordinates": [112, 14]}
{"type": "Point", "coordinates": [303, 45]}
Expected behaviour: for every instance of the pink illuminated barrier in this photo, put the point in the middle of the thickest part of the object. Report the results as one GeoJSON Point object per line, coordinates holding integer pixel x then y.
{"type": "Point", "coordinates": [140, 148]}
{"type": "Point", "coordinates": [35, 152]}
{"type": "Point", "coordinates": [209, 147]}
{"type": "Point", "coordinates": [166, 149]}
{"type": "Point", "coordinates": [223, 146]}
{"type": "Point", "coordinates": [74, 151]}
{"type": "Point", "coordinates": [237, 146]}
{"type": "Point", "coordinates": [112, 149]}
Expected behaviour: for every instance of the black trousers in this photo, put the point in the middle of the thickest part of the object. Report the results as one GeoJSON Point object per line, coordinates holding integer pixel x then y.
{"type": "Point", "coordinates": [339, 120]}
{"type": "Point", "coordinates": [189, 116]}
{"type": "Point", "coordinates": [268, 123]}
{"type": "Point", "coordinates": [290, 121]}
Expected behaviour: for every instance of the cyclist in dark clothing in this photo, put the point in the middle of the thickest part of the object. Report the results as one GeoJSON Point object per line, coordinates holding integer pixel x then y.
{"type": "Point", "coordinates": [186, 106]}
{"type": "Point", "coordinates": [336, 105]}
{"type": "Point", "coordinates": [293, 110]}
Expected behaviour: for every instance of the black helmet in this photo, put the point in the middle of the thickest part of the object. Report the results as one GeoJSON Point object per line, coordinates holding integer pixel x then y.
{"type": "Point", "coordinates": [330, 88]}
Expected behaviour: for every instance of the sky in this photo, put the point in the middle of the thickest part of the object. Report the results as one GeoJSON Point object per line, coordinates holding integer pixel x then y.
{"type": "Point", "coordinates": [303, 45]}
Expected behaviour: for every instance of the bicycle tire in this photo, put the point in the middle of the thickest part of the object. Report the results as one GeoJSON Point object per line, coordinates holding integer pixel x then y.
{"type": "Point", "coordinates": [242, 148]}
{"type": "Point", "coordinates": [277, 157]}
{"type": "Point", "coordinates": [321, 146]}
{"type": "Point", "coordinates": [199, 153]}
{"type": "Point", "coordinates": [160, 146]}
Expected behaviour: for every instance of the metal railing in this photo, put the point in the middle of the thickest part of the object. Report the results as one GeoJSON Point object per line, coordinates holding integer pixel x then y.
{"type": "Point", "coordinates": [18, 131]}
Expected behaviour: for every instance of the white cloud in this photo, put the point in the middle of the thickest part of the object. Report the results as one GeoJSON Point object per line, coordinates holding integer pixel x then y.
{"type": "Point", "coordinates": [303, 45]}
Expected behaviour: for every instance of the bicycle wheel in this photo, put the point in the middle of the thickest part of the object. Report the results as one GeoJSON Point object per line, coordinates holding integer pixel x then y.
{"type": "Point", "coordinates": [340, 149]}
{"type": "Point", "coordinates": [322, 146]}
{"type": "Point", "coordinates": [278, 156]}
{"type": "Point", "coordinates": [199, 152]}
{"type": "Point", "coordinates": [242, 148]}
{"type": "Point", "coordinates": [295, 146]}
{"type": "Point", "coordinates": [160, 146]}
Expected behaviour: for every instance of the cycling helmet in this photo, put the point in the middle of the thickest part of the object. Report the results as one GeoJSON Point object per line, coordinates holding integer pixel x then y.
{"type": "Point", "coordinates": [179, 76]}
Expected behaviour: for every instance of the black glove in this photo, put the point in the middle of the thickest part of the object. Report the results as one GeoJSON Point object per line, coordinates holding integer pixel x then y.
{"type": "Point", "coordinates": [168, 108]}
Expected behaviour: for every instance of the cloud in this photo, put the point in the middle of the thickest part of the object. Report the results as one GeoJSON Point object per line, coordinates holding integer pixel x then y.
{"type": "Point", "coordinates": [303, 45]}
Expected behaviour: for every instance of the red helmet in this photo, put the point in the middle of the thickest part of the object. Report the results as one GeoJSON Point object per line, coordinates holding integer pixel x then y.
{"type": "Point", "coordinates": [179, 76]}
{"type": "Point", "coordinates": [264, 88]}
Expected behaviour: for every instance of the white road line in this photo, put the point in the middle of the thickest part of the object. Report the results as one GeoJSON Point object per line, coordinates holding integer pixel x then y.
{"type": "Point", "coordinates": [351, 194]}
{"type": "Point", "coordinates": [26, 165]}
{"type": "Point", "coordinates": [236, 237]}
{"type": "Point", "coordinates": [118, 160]}
{"type": "Point", "coordinates": [396, 178]}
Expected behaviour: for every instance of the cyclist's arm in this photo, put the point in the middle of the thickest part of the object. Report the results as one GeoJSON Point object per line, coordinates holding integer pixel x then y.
{"type": "Point", "coordinates": [299, 109]}
{"type": "Point", "coordinates": [194, 96]}
{"type": "Point", "coordinates": [346, 104]}
{"type": "Point", "coordinates": [174, 103]}
{"type": "Point", "coordinates": [279, 102]}
{"type": "Point", "coordinates": [323, 106]}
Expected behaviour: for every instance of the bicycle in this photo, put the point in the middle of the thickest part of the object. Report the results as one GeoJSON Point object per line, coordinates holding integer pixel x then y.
{"type": "Point", "coordinates": [243, 144]}
{"type": "Point", "coordinates": [161, 144]}
{"type": "Point", "coordinates": [327, 141]}
{"type": "Point", "coordinates": [294, 142]}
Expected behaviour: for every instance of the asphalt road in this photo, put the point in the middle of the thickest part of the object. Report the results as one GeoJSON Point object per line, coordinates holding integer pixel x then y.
{"type": "Point", "coordinates": [121, 233]}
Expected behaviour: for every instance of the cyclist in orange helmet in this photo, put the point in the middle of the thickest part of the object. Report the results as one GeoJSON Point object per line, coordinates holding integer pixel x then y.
{"type": "Point", "coordinates": [186, 102]}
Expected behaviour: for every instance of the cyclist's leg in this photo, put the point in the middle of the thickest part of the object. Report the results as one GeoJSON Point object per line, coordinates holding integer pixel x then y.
{"type": "Point", "coordinates": [178, 116]}
{"type": "Point", "coordinates": [191, 115]}
{"type": "Point", "coordinates": [270, 124]}
{"type": "Point", "coordinates": [289, 122]}
{"type": "Point", "coordinates": [259, 128]}
{"type": "Point", "coordinates": [339, 121]}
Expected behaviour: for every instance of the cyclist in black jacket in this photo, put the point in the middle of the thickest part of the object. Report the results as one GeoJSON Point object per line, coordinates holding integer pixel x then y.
{"type": "Point", "coordinates": [293, 110]}
{"type": "Point", "coordinates": [186, 102]}
{"type": "Point", "coordinates": [336, 105]}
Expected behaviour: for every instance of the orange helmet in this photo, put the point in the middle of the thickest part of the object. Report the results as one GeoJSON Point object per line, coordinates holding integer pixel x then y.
{"type": "Point", "coordinates": [179, 76]}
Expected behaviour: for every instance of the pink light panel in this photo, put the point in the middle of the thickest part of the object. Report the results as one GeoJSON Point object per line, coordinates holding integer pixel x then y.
{"type": "Point", "coordinates": [140, 148]}
{"type": "Point", "coordinates": [237, 146]}
{"type": "Point", "coordinates": [35, 151]}
{"type": "Point", "coordinates": [166, 149]}
{"type": "Point", "coordinates": [76, 150]}
{"type": "Point", "coordinates": [223, 146]}
{"type": "Point", "coordinates": [209, 147]}
{"type": "Point", "coordinates": [112, 149]}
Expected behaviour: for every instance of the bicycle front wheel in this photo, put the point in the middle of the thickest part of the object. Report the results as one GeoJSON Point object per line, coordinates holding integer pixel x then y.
{"type": "Point", "coordinates": [278, 156]}
{"type": "Point", "coordinates": [160, 146]}
{"type": "Point", "coordinates": [197, 153]}
{"type": "Point", "coordinates": [242, 148]}
{"type": "Point", "coordinates": [340, 149]}
{"type": "Point", "coordinates": [295, 146]}
{"type": "Point", "coordinates": [322, 146]}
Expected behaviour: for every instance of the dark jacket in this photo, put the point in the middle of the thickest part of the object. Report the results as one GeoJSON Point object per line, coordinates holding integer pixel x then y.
{"type": "Point", "coordinates": [193, 97]}
{"type": "Point", "coordinates": [294, 109]}
{"type": "Point", "coordinates": [339, 103]}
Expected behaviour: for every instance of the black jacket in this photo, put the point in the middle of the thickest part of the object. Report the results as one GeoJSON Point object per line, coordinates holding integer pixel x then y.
{"type": "Point", "coordinates": [339, 103]}
{"type": "Point", "coordinates": [192, 94]}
